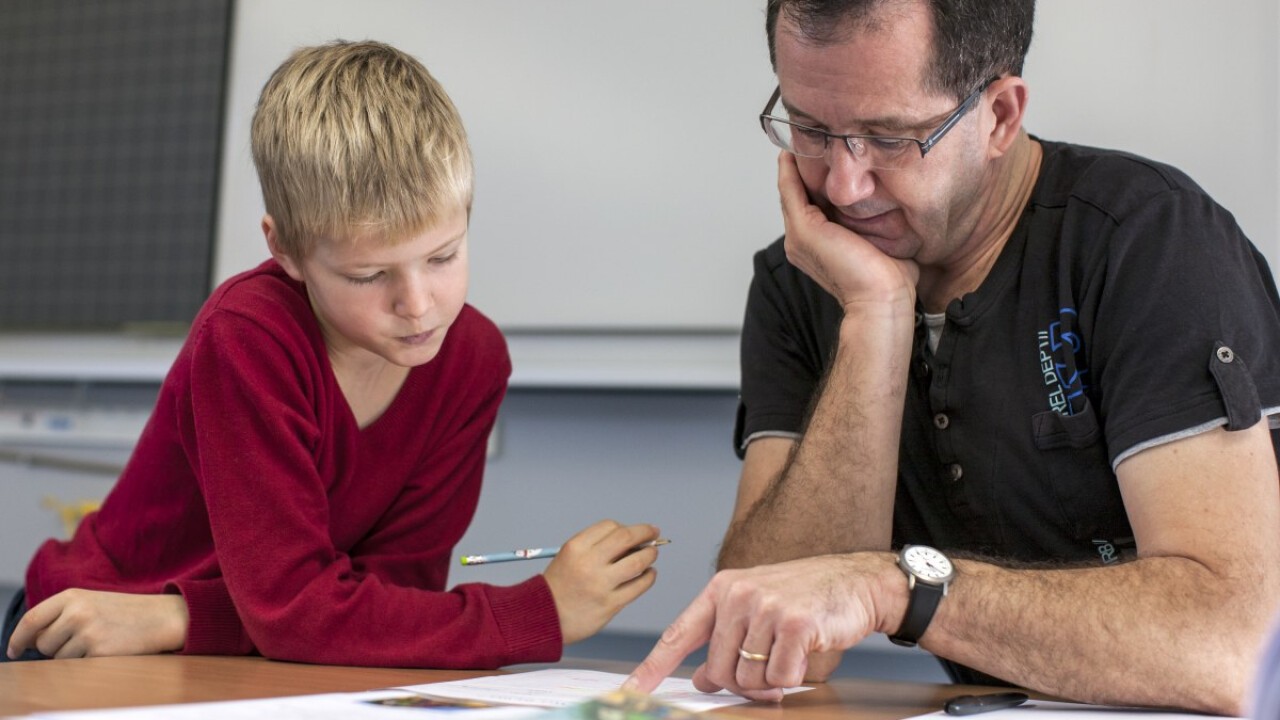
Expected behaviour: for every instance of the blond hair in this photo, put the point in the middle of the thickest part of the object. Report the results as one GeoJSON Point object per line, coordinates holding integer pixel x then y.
{"type": "Point", "coordinates": [357, 138]}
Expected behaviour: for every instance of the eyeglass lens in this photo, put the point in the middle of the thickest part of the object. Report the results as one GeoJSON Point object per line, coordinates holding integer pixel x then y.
{"type": "Point", "coordinates": [878, 152]}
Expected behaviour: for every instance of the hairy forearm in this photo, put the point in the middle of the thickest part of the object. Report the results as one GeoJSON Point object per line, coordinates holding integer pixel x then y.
{"type": "Point", "coordinates": [836, 494]}
{"type": "Point", "coordinates": [1160, 631]}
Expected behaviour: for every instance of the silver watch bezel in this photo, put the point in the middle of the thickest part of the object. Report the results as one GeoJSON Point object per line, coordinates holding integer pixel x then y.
{"type": "Point", "coordinates": [914, 575]}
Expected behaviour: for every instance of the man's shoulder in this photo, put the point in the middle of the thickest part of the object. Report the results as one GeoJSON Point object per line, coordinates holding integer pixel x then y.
{"type": "Point", "coordinates": [771, 261]}
{"type": "Point", "coordinates": [1113, 181]}
{"type": "Point", "coordinates": [775, 276]}
{"type": "Point", "coordinates": [773, 257]}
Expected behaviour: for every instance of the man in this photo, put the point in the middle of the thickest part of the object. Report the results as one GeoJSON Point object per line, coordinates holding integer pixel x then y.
{"type": "Point", "coordinates": [1055, 366]}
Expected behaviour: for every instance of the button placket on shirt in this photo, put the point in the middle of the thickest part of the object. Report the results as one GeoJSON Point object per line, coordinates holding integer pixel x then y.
{"type": "Point", "coordinates": [950, 470]}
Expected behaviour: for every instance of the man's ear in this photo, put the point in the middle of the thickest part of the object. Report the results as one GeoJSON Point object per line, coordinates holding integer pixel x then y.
{"type": "Point", "coordinates": [291, 266]}
{"type": "Point", "coordinates": [1008, 107]}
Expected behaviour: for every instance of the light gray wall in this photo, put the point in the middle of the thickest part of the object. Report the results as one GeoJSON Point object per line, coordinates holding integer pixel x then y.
{"type": "Point", "coordinates": [622, 177]}
{"type": "Point", "coordinates": [623, 180]}
{"type": "Point", "coordinates": [1189, 82]}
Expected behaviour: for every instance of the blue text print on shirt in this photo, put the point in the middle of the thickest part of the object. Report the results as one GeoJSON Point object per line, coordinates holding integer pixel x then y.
{"type": "Point", "coordinates": [1062, 363]}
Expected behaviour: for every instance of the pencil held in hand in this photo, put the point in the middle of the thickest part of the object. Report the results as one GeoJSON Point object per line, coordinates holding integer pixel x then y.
{"type": "Point", "coordinates": [535, 553]}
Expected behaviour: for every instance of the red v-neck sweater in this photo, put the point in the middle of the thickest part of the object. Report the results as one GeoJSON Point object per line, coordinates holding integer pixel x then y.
{"type": "Point", "coordinates": [290, 531]}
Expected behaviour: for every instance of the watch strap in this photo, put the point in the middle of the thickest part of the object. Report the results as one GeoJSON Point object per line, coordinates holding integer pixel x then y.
{"type": "Point", "coordinates": [921, 605]}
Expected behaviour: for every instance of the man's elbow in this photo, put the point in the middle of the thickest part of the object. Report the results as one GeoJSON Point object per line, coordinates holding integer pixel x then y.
{"type": "Point", "coordinates": [1229, 658]}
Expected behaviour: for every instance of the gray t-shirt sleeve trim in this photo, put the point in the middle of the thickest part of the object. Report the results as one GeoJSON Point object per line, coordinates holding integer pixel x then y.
{"type": "Point", "coordinates": [1272, 414]}
{"type": "Point", "coordinates": [773, 433]}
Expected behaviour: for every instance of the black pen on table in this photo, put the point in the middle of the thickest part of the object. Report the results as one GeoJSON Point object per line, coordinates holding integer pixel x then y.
{"type": "Point", "coordinates": [974, 704]}
{"type": "Point", "coordinates": [535, 553]}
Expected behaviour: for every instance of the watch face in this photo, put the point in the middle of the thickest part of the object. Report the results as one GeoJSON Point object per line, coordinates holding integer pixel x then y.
{"type": "Point", "coordinates": [927, 564]}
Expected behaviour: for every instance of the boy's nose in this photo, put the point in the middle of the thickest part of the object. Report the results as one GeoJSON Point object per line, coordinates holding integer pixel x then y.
{"type": "Point", "coordinates": [414, 298]}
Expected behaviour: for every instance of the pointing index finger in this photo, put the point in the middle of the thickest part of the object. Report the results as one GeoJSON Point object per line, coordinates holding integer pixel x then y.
{"type": "Point", "coordinates": [687, 633]}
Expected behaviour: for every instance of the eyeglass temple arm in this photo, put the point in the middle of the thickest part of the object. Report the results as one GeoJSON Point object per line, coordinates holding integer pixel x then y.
{"type": "Point", "coordinates": [941, 132]}
{"type": "Point", "coordinates": [773, 99]}
{"type": "Point", "coordinates": [963, 110]}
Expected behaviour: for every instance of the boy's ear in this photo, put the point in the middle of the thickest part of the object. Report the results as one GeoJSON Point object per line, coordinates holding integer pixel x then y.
{"type": "Point", "coordinates": [291, 266]}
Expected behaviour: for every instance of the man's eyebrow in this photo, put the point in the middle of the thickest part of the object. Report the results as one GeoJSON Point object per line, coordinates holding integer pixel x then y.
{"type": "Point", "coordinates": [885, 124]}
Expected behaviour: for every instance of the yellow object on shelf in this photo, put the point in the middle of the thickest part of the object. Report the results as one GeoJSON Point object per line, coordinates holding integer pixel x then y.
{"type": "Point", "coordinates": [71, 513]}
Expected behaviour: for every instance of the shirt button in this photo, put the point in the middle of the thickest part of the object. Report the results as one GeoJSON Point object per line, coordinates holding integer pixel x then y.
{"type": "Point", "coordinates": [954, 472]}
{"type": "Point", "coordinates": [1225, 354]}
{"type": "Point", "coordinates": [941, 421]}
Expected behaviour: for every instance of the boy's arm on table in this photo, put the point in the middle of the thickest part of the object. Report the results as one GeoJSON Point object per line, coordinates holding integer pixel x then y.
{"type": "Point", "coordinates": [297, 596]}
{"type": "Point", "coordinates": [85, 623]}
{"type": "Point", "coordinates": [595, 577]}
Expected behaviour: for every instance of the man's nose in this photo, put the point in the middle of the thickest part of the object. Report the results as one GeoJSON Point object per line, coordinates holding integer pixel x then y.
{"type": "Point", "coordinates": [849, 178]}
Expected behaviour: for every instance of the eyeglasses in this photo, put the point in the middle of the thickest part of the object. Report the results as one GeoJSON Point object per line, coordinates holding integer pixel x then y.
{"type": "Point", "coordinates": [877, 151]}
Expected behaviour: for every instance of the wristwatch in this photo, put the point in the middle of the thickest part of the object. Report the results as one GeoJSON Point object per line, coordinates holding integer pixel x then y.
{"type": "Point", "coordinates": [929, 574]}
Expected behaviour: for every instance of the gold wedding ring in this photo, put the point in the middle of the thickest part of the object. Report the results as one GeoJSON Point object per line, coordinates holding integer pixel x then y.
{"type": "Point", "coordinates": [756, 657]}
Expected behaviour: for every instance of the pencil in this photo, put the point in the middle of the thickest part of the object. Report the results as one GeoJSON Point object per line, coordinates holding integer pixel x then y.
{"type": "Point", "coordinates": [535, 553]}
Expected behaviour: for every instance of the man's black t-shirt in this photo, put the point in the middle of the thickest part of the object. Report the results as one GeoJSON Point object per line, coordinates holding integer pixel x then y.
{"type": "Point", "coordinates": [1126, 308]}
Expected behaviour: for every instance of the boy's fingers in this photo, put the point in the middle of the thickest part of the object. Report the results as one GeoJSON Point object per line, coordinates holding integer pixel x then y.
{"type": "Point", "coordinates": [624, 540]}
{"type": "Point", "coordinates": [632, 564]}
{"type": "Point", "coordinates": [593, 534]}
{"type": "Point", "coordinates": [687, 633]}
{"type": "Point", "coordinates": [612, 539]}
{"type": "Point", "coordinates": [69, 647]}
{"type": "Point", "coordinates": [54, 639]}
{"type": "Point", "coordinates": [637, 586]}
{"type": "Point", "coordinates": [21, 638]}
{"type": "Point", "coordinates": [33, 622]}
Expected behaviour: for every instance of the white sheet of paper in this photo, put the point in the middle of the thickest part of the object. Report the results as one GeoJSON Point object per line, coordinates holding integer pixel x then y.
{"type": "Point", "coordinates": [1046, 710]}
{"type": "Point", "coordinates": [561, 688]}
{"type": "Point", "coordinates": [330, 706]}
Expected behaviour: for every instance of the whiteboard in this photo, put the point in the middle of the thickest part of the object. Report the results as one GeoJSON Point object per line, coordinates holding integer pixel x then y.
{"type": "Point", "coordinates": [623, 182]}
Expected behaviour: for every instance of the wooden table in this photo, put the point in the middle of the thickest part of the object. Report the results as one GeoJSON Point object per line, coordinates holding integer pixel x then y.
{"type": "Point", "coordinates": [27, 687]}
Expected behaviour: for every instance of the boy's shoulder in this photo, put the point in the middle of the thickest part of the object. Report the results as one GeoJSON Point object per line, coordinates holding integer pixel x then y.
{"type": "Point", "coordinates": [256, 289]}
{"type": "Point", "coordinates": [474, 339]}
{"type": "Point", "coordinates": [257, 304]}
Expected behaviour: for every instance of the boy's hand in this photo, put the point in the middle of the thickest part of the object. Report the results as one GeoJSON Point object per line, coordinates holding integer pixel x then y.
{"type": "Point", "coordinates": [596, 574]}
{"type": "Point", "coordinates": [85, 623]}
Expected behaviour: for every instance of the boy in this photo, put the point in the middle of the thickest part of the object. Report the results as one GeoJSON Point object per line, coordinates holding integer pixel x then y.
{"type": "Point", "coordinates": [317, 448]}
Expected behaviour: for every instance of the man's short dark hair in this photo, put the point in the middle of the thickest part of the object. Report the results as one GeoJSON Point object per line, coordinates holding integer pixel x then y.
{"type": "Point", "coordinates": [974, 40]}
